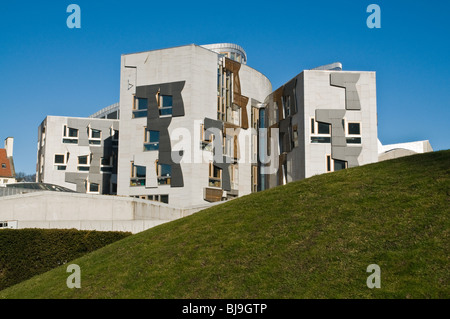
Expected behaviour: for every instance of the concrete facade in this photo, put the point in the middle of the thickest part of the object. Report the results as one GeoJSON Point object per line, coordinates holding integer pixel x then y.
{"type": "Point", "coordinates": [326, 120]}
{"type": "Point", "coordinates": [80, 161]}
{"type": "Point", "coordinates": [194, 69]}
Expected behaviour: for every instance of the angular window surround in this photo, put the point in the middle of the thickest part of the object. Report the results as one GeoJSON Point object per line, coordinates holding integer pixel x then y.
{"type": "Point", "coordinates": [70, 135]}
{"type": "Point", "coordinates": [234, 176]}
{"type": "Point", "coordinates": [84, 163]}
{"type": "Point", "coordinates": [106, 165]}
{"type": "Point", "coordinates": [334, 165]}
{"type": "Point", "coordinates": [60, 159]}
{"type": "Point", "coordinates": [320, 132]}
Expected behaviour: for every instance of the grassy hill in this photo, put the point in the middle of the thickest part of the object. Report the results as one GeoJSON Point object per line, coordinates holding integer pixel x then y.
{"type": "Point", "coordinates": [308, 239]}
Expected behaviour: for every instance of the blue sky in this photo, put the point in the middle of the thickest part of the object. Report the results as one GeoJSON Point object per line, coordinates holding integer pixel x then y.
{"type": "Point", "coordinates": [48, 69]}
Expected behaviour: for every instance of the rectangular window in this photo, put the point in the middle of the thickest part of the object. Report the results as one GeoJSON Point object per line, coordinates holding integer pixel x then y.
{"type": "Point", "coordinates": [354, 129]}
{"type": "Point", "coordinates": [323, 128]}
{"type": "Point", "coordinates": [151, 140]}
{"type": "Point", "coordinates": [106, 164]}
{"type": "Point", "coordinates": [339, 165]}
{"type": "Point", "coordinates": [164, 173]}
{"type": "Point", "coordinates": [354, 133]}
{"type": "Point", "coordinates": [138, 175]}
{"type": "Point", "coordinates": [60, 159]}
{"type": "Point", "coordinates": [320, 132]}
{"type": "Point", "coordinates": [234, 176]}
{"type": "Point", "coordinates": [165, 104]}
{"type": "Point", "coordinates": [254, 178]}
{"type": "Point", "coordinates": [140, 107]}
{"type": "Point", "coordinates": [70, 135]}
{"type": "Point", "coordinates": [328, 163]}
{"type": "Point", "coordinates": [295, 135]}
{"type": "Point", "coordinates": [215, 176]}
{"type": "Point", "coordinates": [83, 160]}
{"type": "Point", "coordinates": [92, 188]}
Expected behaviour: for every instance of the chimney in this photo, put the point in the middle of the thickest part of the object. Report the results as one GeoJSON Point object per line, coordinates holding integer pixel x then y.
{"type": "Point", "coordinates": [9, 144]}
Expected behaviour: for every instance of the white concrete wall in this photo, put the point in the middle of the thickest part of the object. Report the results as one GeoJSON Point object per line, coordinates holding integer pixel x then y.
{"type": "Point", "coordinates": [319, 94]}
{"type": "Point", "coordinates": [88, 212]}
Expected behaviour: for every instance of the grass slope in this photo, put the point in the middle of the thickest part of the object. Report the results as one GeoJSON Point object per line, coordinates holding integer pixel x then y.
{"type": "Point", "coordinates": [308, 239]}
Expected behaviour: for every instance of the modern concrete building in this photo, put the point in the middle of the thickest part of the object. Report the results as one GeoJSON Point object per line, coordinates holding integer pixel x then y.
{"type": "Point", "coordinates": [322, 120]}
{"type": "Point", "coordinates": [175, 105]}
{"type": "Point", "coordinates": [78, 153]}
{"type": "Point", "coordinates": [7, 170]}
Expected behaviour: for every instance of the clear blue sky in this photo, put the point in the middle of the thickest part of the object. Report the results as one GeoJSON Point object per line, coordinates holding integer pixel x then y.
{"type": "Point", "coordinates": [49, 69]}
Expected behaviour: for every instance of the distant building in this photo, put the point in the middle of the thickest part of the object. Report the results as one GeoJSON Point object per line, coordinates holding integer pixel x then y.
{"type": "Point", "coordinates": [79, 154]}
{"type": "Point", "coordinates": [7, 170]}
{"type": "Point", "coordinates": [391, 151]}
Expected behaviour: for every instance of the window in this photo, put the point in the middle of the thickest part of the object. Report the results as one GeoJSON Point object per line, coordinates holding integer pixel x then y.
{"type": "Point", "coordinates": [95, 136]}
{"type": "Point", "coordinates": [114, 134]}
{"type": "Point", "coordinates": [70, 135]}
{"type": "Point", "coordinates": [323, 128]}
{"type": "Point", "coordinates": [165, 103]}
{"type": "Point", "coordinates": [155, 198]}
{"type": "Point", "coordinates": [3, 165]}
{"type": "Point", "coordinates": [106, 164]}
{"type": "Point", "coordinates": [295, 135]}
{"type": "Point", "coordinates": [205, 144]}
{"type": "Point", "coordinates": [164, 173]}
{"type": "Point", "coordinates": [140, 107]}
{"type": "Point", "coordinates": [60, 159]}
{"type": "Point", "coordinates": [83, 163]}
{"type": "Point", "coordinates": [328, 163]}
{"type": "Point", "coordinates": [320, 132]}
{"type": "Point", "coordinates": [339, 165]}
{"type": "Point", "coordinates": [151, 140]}
{"type": "Point", "coordinates": [92, 188]}
{"type": "Point", "coordinates": [354, 133]}
{"type": "Point", "coordinates": [138, 174]}
{"type": "Point", "coordinates": [215, 176]}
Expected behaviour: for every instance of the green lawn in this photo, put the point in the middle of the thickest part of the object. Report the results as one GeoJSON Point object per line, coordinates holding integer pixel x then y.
{"type": "Point", "coordinates": [308, 239]}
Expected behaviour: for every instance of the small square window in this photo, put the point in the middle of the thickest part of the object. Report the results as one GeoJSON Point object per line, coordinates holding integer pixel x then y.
{"type": "Point", "coordinates": [354, 129]}
{"type": "Point", "coordinates": [323, 128]}
{"type": "Point", "coordinates": [59, 159]}
{"type": "Point", "coordinates": [3, 165]}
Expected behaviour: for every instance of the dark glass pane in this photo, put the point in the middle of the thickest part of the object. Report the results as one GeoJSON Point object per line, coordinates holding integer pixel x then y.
{"type": "Point", "coordinates": [140, 171]}
{"type": "Point", "coordinates": [105, 161]}
{"type": "Point", "coordinates": [59, 159]}
{"type": "Point", "coordinates": [95, 142]}
{"type": "Point", "coordinates": [354, 129]}
{"type": "Point", "coordinates": [96, 134]}
{"type": "Point", "coordinates": [106, 169]}
{"type": "Point", "coordinates": [83, 160]}
{"type": "Point", "coordinates": [165, 111]}
{"type": "Point", "coordinates": [166, 170]}
{"type": "Point", "coordinates": [139, 114]}
{"type": "Point", "coordinates": [93, 188]}
{"type": "Point", "coordinates": [312, 126]}
{"type": "Point", "coordinates": [154, 137]}
{"type": "Point", "coordinates": [320, 139]}
{"type": "Point", "coordinates": [328, 163]}
{"type": "Point", "coordinates": [166, 100]}
{"type": "Point", "coordinates": [339, 165]}
{"type": "Point", "coordinates": [353, 140]}
{"type": "Point", "coordinates": [61, 168]}
{"type": "Point", "coordinates": [73, 132]}
{"type": "Point", "coordinates": [83, 168]}
{"type": "Point", "coordinates": [70, 141]}
{"type": "Point", "coordinates": [142, 104]}
{"type": "Point", "coordinates": [151, 147]}
{"type": "Point", "coordinates": [324, 128]}
{"type": "Point", "coordinates": [165, 199]}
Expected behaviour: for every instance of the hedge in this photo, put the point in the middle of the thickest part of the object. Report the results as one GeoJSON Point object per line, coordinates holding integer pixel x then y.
{"type": "Point", "coordinates": [25, 253]}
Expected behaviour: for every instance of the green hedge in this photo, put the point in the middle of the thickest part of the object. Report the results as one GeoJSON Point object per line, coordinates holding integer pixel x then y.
{"type": "Point", "coordinates": [25, 253]}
